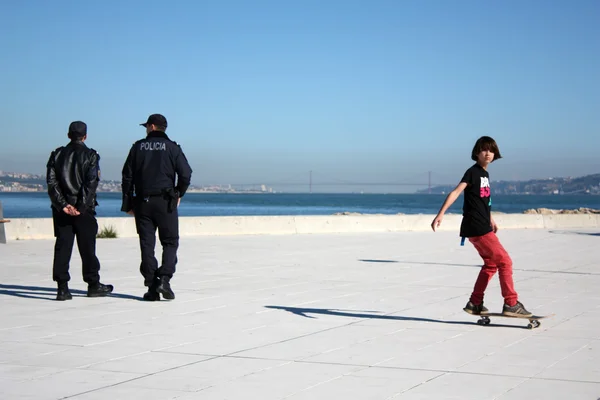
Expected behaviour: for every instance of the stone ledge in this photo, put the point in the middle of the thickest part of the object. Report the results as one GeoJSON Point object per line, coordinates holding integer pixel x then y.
{"type": "Point", "coordinates": [41, 228]}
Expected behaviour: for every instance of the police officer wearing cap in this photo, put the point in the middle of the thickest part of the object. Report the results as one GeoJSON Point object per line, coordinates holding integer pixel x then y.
{"type": "Point", "coordinates": [72, 176]}
{"type": "Point", "coordinates": [152, 195]}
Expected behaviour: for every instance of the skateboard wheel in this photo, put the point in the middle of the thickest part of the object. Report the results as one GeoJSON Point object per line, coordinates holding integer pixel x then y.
{"type": "Point", "coordinates": [480, 322]}
{"type": "Point", "coordinates": [534, 323]}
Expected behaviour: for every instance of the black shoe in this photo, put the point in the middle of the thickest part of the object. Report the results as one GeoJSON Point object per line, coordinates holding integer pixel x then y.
{"type": "Point", "coordinates": [476, 309]}
{"type": "Point", "coordinates": [152, 294]}
{"type": "Point", "coordinates": [518, 310]}
{"type": "Point", "coordinates": [165, 288]}
{"type": "Point", "coordinates": [99, 290]}
{"type": "Point", "coordinates": [63, 292]}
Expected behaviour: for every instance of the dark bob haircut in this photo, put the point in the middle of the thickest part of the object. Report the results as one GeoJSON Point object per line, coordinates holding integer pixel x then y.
{"type": "Point", "coordinates": [486, 143]}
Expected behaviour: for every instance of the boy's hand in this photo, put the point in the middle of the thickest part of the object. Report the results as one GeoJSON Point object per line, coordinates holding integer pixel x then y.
{"type": "Point", "coordinates": [494, 226]}
{"type": "Point", "coordinates": [436, 222]}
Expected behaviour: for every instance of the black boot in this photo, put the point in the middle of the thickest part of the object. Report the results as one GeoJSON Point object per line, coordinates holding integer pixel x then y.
{"type": "Point", "coordinates": [99, 290]}
{"type": "Point", "coordinates": [152, 293]}
{"type": "Point", "coordinates": [165, 288]}
{"type": "Point", "coordinates": [63, 292]}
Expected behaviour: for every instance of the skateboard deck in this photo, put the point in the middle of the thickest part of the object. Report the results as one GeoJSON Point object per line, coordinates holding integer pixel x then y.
{"type": "Point", "coordinates": [534, 320]}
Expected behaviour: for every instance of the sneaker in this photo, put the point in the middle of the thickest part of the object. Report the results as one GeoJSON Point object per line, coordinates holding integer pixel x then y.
{"type": "Point", "coordinates": [165, 288]}
{"type": "Point", "coordinates": [99, 290]}
{"type": "Point", "coordinates": [518, 310]}
{"type": "Point", "coordinates": [63, 292]}
{"type": "Point", "coordinates": [476, 309]}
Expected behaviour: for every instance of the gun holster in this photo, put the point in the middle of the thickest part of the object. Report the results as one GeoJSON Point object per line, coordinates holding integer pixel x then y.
{"type": "Point", "coordinates": [172, 196]}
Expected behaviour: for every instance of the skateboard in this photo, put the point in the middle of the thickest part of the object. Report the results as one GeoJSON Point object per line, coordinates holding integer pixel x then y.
{"type": "Point", "coordinates": [534, 320]}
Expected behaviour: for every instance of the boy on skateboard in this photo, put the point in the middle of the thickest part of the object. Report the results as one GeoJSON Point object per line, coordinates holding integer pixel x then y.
{"type": "Point", "coordinates": [479, 226]}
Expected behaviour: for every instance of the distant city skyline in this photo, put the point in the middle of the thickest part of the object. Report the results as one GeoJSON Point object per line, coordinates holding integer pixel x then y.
{"type": "Point", "coordinates": [588, 184]}
{"type": "Point", "coordinates": [266, 91]}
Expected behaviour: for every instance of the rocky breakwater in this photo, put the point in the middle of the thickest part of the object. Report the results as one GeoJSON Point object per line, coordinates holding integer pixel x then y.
{"type": "Point", "coordinates": [549, 211]}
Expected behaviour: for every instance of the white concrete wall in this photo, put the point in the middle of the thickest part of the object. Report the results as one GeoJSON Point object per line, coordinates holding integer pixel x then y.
{"type": "Point", "coordinates": [41, 228]}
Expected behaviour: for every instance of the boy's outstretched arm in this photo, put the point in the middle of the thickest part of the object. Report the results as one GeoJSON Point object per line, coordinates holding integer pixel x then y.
{"type": "Point", "coordinates": [451, 198]}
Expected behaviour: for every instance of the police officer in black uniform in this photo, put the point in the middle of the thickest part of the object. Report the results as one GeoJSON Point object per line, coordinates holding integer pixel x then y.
{"type": "Point", "coordinates": [152, 195]}
{"type": "Point", "coordinates": [72, 176]}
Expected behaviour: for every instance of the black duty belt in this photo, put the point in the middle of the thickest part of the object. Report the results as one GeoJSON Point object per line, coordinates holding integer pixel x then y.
{"type": "Point", "coordinates": [156, 193]}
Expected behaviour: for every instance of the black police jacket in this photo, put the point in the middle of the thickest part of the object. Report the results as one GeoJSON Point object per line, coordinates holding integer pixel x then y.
{"type": "Point", "coordinates": [151, 167]}
{"type": "Point", "coordinates": [72, 175]}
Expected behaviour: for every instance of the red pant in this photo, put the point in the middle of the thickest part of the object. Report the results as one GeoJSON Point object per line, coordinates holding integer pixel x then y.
{"type": "Point", "coordinates": [495, 258]}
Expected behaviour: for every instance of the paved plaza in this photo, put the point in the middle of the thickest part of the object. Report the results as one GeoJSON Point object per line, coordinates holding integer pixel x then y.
{"type": "Point", "coordinates": [328, 316]}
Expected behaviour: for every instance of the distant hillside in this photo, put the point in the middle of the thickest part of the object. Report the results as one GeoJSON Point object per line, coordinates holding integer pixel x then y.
{"type": "Point", "coordinates": [24, 181]}
{"type": "Point", "coordinates": [589, 184]}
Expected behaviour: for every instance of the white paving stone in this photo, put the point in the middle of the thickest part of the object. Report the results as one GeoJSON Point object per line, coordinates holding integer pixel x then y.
{"type": "Point", "coordinates": [333, 316]}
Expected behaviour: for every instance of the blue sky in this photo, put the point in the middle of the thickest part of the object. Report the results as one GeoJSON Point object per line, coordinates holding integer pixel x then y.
{"type": "Point", "coordinates": [265, 91]}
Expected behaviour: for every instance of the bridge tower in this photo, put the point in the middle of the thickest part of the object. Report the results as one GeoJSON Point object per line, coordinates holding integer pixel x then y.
{"type": "Point", "coordinates": [429, 182]}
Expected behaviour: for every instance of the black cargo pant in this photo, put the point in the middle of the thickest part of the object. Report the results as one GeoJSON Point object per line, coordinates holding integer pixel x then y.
{"type": "Point", "coordinates": [84, 227]}
{"type": "Point", "coordinates": [151, 213]}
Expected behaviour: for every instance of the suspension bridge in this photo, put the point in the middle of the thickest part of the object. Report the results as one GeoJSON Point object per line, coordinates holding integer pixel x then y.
{"type": "Point", "coordinates": [313, 179]}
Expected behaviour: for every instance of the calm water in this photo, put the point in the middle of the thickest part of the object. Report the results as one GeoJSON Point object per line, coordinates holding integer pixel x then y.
{"type": "Point", "coordinates": [37, 205]}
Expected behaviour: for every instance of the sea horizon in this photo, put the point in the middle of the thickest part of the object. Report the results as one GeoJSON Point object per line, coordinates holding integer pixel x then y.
{"type": "Point", "coordinates": [37, 204]}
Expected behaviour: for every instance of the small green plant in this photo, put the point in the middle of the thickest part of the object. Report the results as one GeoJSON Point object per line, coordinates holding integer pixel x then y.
{"type": "Point", "coordinates": [107, 232]}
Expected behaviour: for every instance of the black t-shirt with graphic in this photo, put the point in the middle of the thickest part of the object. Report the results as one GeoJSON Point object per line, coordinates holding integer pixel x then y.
{"type": "Point", "coordinates": [477, 203]}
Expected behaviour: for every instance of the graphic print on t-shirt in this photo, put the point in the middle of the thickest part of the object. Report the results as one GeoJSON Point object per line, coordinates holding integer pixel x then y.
{"type": "Point", "coordinates": [484, 189]}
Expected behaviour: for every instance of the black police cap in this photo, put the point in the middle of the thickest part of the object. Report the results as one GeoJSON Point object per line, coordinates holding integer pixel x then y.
{"type": "Point", "coordinates": [156, 119]}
